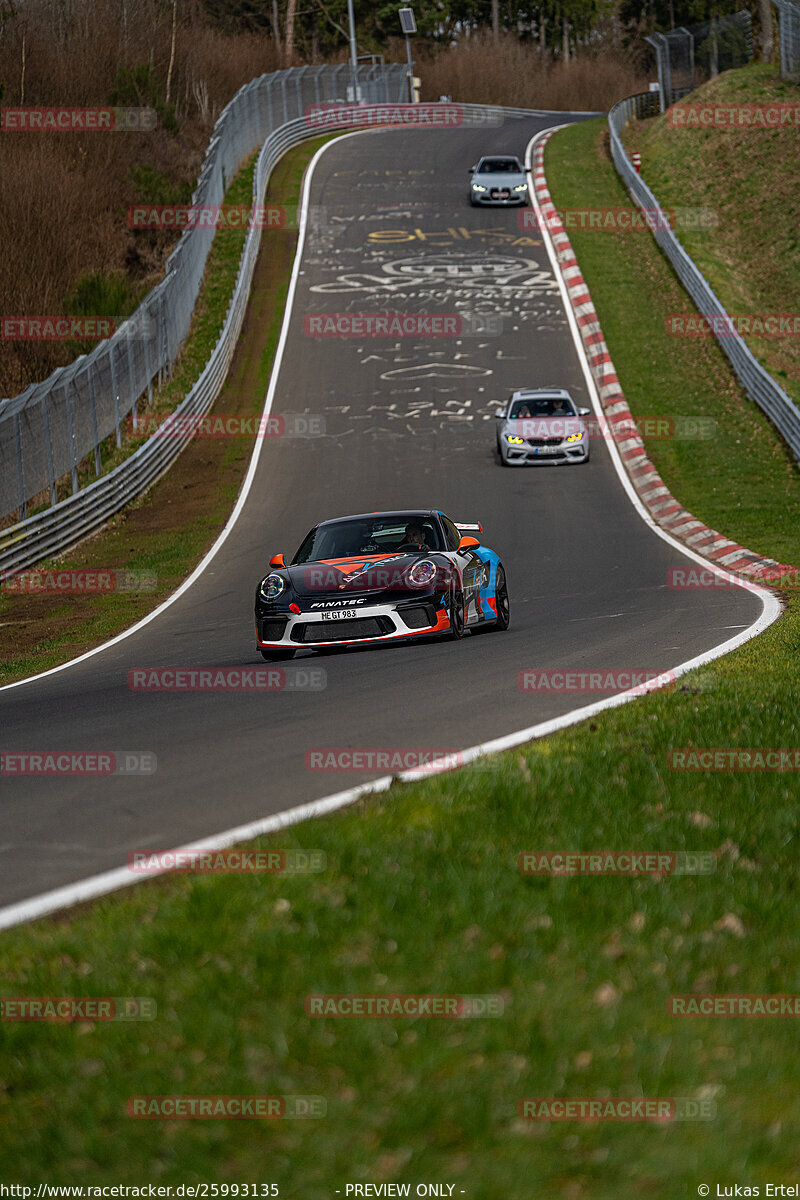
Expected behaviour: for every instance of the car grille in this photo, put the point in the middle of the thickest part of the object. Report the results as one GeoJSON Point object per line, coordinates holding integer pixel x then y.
{"type": "Point", "coordinates": [500, 193]}
{"type": "Point", "coordinates": [341, 631]}
{"type": "Point", "coordinates": [552, 441]}
{"type": "Point", "coordinates": [272, 630]}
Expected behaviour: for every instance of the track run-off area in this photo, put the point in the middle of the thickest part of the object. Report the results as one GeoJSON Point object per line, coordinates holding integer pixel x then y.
{"type": "Point", "coordinates": [390, 423]}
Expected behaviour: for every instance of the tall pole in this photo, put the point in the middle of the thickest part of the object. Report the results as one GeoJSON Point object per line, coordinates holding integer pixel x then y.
{"type": "Point", "coordinates": [353, 51]}
{"type": "Point", "coordinates": [410, 71]}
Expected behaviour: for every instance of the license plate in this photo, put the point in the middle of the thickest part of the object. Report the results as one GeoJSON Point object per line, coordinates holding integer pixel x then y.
{"type": "Point", "coordinates": [547, 450]}
{"type": "Point", "coordinates": [338, 616]}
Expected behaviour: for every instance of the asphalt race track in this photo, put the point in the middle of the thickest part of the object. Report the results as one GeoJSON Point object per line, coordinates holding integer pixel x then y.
{"type": "Point", "coordinates": [408, 422]}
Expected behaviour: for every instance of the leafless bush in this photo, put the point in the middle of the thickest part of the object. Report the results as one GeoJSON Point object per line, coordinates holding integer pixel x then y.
{"type": "Point", "coordinates": [63, 197]}
{"type": "Point", "coordinates": [519, 74]}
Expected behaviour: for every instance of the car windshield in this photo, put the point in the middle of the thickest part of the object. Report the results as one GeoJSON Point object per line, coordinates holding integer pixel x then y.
{"type": "Point", "coordinates": [500, 166]}
{"type": "Point", "coordinates": [380, 534]}
{"type": "Point", "coordinates": [541, 406]}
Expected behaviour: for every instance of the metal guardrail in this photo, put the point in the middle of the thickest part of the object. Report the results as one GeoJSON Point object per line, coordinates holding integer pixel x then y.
{"type": "Point", "coordinates": [51, 427]}
{"type": "Point", "coordinates": [56, 529]}
{"type": "Point", "coordinates": [758, 384]}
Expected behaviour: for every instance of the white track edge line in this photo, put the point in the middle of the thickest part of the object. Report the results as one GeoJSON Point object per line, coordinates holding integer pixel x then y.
{"type": "Point", "coordinates": [100, 885]}
{"type": "Point", "coordinates": [251, 470]}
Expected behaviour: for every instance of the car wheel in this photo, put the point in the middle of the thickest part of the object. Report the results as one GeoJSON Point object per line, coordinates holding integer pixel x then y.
{"type": "Point", "coordinates": [501, 599]}
{"type": "Point", "coordinates": [456, 615]}
{"type": "Point", "coordinates": [276, 655]}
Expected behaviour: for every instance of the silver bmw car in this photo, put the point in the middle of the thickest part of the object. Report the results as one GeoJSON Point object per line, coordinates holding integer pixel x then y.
{"type": "Point", "coordinates": [542, 426]}
{"type": "Point", "coordinates": [498, 180]}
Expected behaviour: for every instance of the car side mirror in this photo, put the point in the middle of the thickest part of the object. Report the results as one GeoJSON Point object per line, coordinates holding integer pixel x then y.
{"type": "Point", "coordinates": [500, 414]}
{"type": "Point", "coordinates": [277, 561]}
{"type": "Point", "coordinates": [467, 543]}
{"type": "Point", "coordinates": [584, 412]}
{"type": "Point", "coordinates": [472, 170]}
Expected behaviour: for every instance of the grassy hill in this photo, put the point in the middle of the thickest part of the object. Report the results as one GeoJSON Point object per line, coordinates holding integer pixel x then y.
{"type": "Point", "coordinates": [748, 177]}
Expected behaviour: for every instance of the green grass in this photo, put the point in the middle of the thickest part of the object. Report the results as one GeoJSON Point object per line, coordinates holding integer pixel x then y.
{"type": "Point", "coordinates": [743, 481]}
{"type": "Point", "coordinates": [752, 256]}
{"type": "Point", "coordinates": [421, 894]}
{"type": "Point", "coordinates": [209, 314]}
{"type": "Point", "coordinates": [172, 553]}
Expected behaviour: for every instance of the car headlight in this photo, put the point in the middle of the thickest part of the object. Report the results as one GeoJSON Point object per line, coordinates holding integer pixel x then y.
{"type": "Point", "coordinates": [423, 573]}
{"type": "Point", "coordinates": [574, 437]}
{"type": "Point", "coordinates": [514, 440]}
{"type": "Point", "coordinates": [272, 587]}
{"type": "Point", "coordinates": [521, 187]}
{"type": "Point", "coordinates": [478, 187]}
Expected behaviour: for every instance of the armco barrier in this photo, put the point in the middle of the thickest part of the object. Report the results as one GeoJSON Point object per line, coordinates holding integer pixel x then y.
{"type": "Point", "coordinates": [53, 531]}
{"type": "Point", "coordinates": [757, 383]}
{"type": "Point", "coordinates": [51, 427]}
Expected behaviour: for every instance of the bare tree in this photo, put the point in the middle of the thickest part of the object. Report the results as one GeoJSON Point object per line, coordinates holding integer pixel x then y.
{"type": "Point", "coordinates": [22, 72]}
{"type": "Point", "coordinates": [290, 11]}
{"type": "Point", "coordinates": [767, 36]}
{"type": "Point", "coordinates": [172, 48]}
{"type": "Point", "coordinates": [276, 30]}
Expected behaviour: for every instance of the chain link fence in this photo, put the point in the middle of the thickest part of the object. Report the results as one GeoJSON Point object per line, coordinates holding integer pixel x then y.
{"type": "Point", "coordinates": [758, 384]}
{"type": "Point", "coordinates": [56, 529]}
{"type": "Point", "coordinates": [789, 37]}
{"type": "Point", "coordinates": [684, 56]}
{"type": "Point", "coordinates": [48, 429]}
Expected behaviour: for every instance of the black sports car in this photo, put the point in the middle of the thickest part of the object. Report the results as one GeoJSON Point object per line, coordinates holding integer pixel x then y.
{"type": "Point", "coordinates": [380, 577]}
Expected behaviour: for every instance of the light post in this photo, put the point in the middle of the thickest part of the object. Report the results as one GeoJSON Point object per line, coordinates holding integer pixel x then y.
{"type": "Point", "coordinates": [353, 54]}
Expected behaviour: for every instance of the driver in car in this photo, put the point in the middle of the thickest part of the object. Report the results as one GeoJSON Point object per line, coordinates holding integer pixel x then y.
{"type": "Point", "coordinates": [414, 538]}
